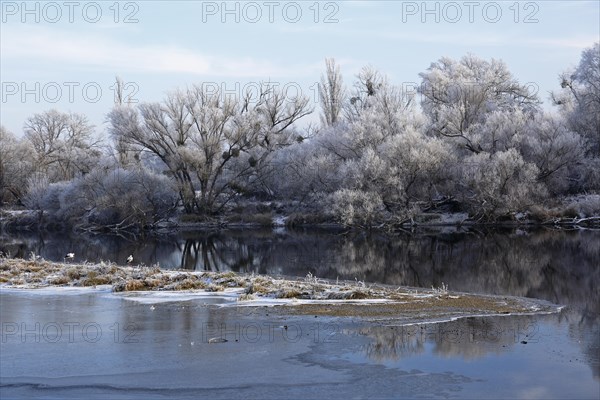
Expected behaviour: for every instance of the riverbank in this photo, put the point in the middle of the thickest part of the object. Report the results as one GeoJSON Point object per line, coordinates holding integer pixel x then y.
{"type": "Point", "coordinates": [308, 296]}
{"type": "Point", "coordinates": [28, 220]}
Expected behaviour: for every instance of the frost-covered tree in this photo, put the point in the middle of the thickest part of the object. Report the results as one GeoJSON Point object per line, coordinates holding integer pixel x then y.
{"type": "Point", "coordinates": [554, 149]}
{"type": "Point", "coordinates": [499, 184]}
{"type": "Point", "coordinates": [16, 166]}
{"type": "Point", "coordinates": [210, 142]}
{"type": "Point", "coordinates": [395, 109]}
{"type": "Point", "coordinates": [380, 111]}
{"type": "Point", "coordinates": [64, 144]}
{"type": "Point", "coordinates": [331, 93]}
{"type": "Point", "coordinates": [579, 99]}
{"type": "Point", "coordinates": [418, 164]}
{"type": "Point", "coordinates": [126, 154]}
{"type": "Point", "coordinates": [402, 171]}
{"type": "Point", "coordinates": [304, 169]}
{"type": "Point", "coordinates": [368, 83]}
{"type": "Point", "coordinates": [381, 155]}
{"type": "Point", "coordinates": [542, 139]}
{"type": "Point", "coordinates": [459, 96]}
{"type": "Point", "coordinates": [368, 173]}
{"type": "Point", "coordinates": [502, 130]}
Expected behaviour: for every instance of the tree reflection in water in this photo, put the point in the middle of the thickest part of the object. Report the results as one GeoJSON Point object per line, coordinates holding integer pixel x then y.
{"type": "Point", "coordinates": [559, 266]}
{"type": "Point", "coordinates": [468, 338]}
{"type": "Point", "coordinates": [216, 253]}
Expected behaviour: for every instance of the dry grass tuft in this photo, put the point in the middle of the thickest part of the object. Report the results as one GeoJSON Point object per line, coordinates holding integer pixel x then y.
{"type": "Point", "coordinates": [73, 273]}
{"type": "Point", "coordinates": [58, 280]}
{"type": "Point", "coordinates": [135, 285]}
{"type": "Point", "coordinates": [189, 284]}
{"type": "Point", "coordinates": [291, 293]}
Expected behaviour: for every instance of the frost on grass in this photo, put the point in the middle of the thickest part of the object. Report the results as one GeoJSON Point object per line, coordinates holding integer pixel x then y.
{"type": "Point", "coordinates": [35, 273]}
{"type": "Point", "coordinates": [314, 295]}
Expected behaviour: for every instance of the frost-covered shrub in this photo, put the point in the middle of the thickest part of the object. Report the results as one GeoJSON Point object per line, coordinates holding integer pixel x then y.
{"type": "Point", "coordinates": [17, 164]}
{"type": "Point", "coordinates": [500, 183]}
{"type": "Point", "coordinates": [589, 175]}
{"type": "Point", "coordinates": [44, 197]}
{"type": "Point", "coordinates": [52, 198]}
{"type": "Point", "coordinates": [127, 197]}
{"type": "Point", "coordinates": [585, 205]}
{"type": "Point", "coordinates": [501, 131]}
{"type": "Point", "coordinates": [416, 165]}
{"type": "Point", "coordinates": [399, 169]}
{"type": "Point", "coordinates": [37, 185]}
{"type": "Point", "coordinates": [302, 169]}
{"type": "Point", "coordinates": [108, 197]}
{"type": "Point", "coordinates": [356, 207]}
{"type": "Point", "coordinates": [369, 173]}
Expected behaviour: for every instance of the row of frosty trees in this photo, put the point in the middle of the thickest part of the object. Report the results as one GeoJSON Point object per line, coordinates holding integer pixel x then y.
{"type": "Point", "coordinates": [479, 140]}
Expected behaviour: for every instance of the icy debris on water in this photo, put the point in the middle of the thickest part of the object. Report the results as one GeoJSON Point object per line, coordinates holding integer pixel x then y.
{"type": "Point", "coordinates": [217, 340]}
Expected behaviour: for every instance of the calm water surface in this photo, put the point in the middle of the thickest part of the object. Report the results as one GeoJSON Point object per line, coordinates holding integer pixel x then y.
{"type": "Point", "coordinates": [553, 356]}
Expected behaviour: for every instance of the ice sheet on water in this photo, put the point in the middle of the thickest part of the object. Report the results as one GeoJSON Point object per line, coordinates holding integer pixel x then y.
{"type": "Point", "coordinates": [54, 290]}
{"type": "Point", "coordinates": [154, 297]}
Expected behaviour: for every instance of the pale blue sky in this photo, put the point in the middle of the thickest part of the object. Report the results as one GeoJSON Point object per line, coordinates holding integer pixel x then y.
{"type": "Point", "coordinates": [178, 43]}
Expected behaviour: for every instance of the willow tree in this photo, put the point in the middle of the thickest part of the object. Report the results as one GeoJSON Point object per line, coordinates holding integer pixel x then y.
{"type": "Point", "coordinates": [17, 164]}
{"type": "Point", "coordinates": [64, 144]}
{"type": "Point", "coordinates": [207, 140]}
{"type": "Point", "coordinates": [579, 99]}
{"type": "Point", "coordinates": [459, 96]}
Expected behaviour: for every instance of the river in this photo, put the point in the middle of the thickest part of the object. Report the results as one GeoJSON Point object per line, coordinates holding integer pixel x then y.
{"type": "Point", "coordinates": [550, 356]}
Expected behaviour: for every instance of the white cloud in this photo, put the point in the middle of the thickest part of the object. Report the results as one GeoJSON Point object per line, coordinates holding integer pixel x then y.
{"type": "Point", "coordinates": [53, 47]}
{"type": "Point", "coordinates": [483, 39]}
{"type": "Point", "coordinates": [580, 42]}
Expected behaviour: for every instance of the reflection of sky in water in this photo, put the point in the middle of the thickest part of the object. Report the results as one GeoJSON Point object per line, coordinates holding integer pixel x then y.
{"type": "Point", "coordinates": [548, 366]}
{"type": "Point", "coordinates": [467, 358]}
